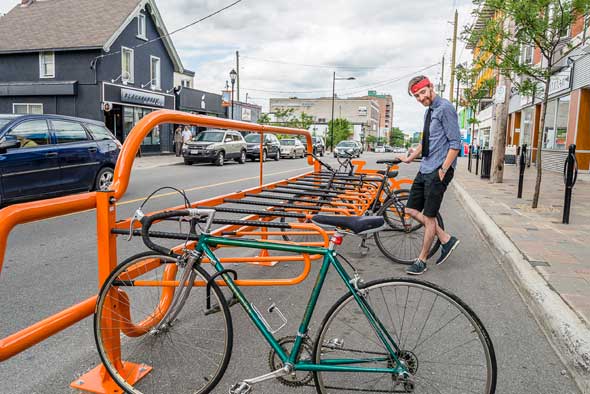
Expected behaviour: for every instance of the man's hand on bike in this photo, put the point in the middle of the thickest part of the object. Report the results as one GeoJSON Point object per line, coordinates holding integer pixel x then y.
{"type": "Point", "coordinates": [405, 159]}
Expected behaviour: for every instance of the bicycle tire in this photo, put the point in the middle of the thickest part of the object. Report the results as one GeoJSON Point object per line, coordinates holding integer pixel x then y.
{"type": "Point", "coordinates": [182, 356]}
{"type": "Point", "coordinates": [453, 354]}
{"type": "Point", "coordinates": [402, 244]}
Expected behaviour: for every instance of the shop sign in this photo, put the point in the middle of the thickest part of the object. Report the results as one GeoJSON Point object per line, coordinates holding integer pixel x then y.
{"type": "Point", "coordinates": [500, 94]}
{"type": "Point", "coordinates": [560, 81]}
{"type": "Point", "coordinates": [143, 98]}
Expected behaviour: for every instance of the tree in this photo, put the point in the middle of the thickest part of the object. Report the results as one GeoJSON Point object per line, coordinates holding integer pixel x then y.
{"type": "Point", "coordinates": [264, 119]}
{"type": "Point", "coordinates": [538, 23]}
{"type": "Point", "coordinates": [396, 137]}
{"type": "Point", "coordinates": [371, 140]}
{"type": "Point", "coordinates": [342, 130]}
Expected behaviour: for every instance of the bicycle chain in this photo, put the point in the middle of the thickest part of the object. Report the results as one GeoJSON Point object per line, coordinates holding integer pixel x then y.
{"type": "Point", "coordinates": [299, 378]}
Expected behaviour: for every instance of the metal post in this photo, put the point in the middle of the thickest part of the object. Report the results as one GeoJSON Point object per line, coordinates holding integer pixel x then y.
{"type": "Point", "coordinates": [232, 98]}
{"type": "Point", "coordinates": [332, 123]}
{"type": "Point", "coordinates": [469, 162]}
{"type": "Point", "coordinates": [522, 166]}
{"type": "Point", "coordinates": [570, 174]}
{"type": "Point", "coordinates": [477, 160]}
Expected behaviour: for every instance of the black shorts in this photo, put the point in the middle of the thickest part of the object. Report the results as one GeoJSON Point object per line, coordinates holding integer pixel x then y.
{"type": "Point", "coordinates": [427, 192]}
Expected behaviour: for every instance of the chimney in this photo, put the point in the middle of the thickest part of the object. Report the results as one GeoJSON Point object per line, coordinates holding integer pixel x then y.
{"type": "Point", "coordinates": [26, 3]}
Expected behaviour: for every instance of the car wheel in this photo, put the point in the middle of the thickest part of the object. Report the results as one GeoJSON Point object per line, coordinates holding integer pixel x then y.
{"type": "Point", "coordinates": [322, 153]}
{"type": "Point", "coordinates": [242, 158]}
{"type": "Point", "coordinates": [264, 155]}
{"type": "Point", "coordinates": [188, 162]}
{"type": "Point", "coordinates": [219, 159]}
{"type": "Point", "coordinates": [278, 156]}
{"type": "Point", "coordinates": [104, 179]}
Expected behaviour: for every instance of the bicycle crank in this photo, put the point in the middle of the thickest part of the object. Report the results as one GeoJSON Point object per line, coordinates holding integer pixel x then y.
{"type": "Point", "coordinates": [295, 378]}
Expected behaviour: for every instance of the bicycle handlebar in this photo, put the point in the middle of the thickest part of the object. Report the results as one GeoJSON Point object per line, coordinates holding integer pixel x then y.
{"type": "Point", "coordinates": [389, 161]}
{"type": "Point", "coordinates": [147, 221]}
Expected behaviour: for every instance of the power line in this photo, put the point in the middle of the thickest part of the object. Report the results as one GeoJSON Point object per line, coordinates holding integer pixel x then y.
{"type": "Point", "coordinates": [353, 89]}
{"type": "Point", "coordinates": [172, 32]}
{"type": "Point", "coordinates": [327, 66]}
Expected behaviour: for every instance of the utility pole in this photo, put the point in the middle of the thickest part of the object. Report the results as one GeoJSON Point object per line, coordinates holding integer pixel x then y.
{"type": "Point", "coordinates": [453, 56]}
{"type": "Point", "coordinates": [442, 78]}
{"type": "Point", "coordinates": [238, 70]}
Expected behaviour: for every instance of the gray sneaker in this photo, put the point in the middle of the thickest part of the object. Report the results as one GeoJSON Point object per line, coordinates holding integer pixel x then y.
{"type": "Point", "coordinates": [418, 268]}
{"type": "Point", "coordinates": [447, 249]}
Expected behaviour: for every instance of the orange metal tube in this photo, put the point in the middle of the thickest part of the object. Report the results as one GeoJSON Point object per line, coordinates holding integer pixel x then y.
{"type": "Point", "coordinates": [24, 339]}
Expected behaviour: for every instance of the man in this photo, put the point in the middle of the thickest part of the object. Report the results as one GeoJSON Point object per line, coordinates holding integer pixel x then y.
{"type": "Point", "coordinates": [186, 135]}
{"type": "Point", "coordinates": [441, 142]}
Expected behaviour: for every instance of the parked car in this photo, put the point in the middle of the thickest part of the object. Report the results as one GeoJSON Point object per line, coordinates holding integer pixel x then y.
{"type": "Point", "coordinates": [271, 147]}
{"type": "Point", "coordinates": [215, 146]}
{"type": "Point", "coordinates": [361, 147]}
{"type": "Point", "coordinates": [49, 155]}
{"type": "Point", "coordinates": [379, 149]}
{"type": "Point", "coordinates": [319, 147]}
{"type": "Point", "coordinates": [388, 148]}
{"type": "Point", "coordinates": [292, 147]}
{"type": "Point", "coordinates": [347, 148]}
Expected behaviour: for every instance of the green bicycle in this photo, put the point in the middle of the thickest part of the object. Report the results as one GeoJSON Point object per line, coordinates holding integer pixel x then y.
{"type": "Point", "coordinates": [162, 316]}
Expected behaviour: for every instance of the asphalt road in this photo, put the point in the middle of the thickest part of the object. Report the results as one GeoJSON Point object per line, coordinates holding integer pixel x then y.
{"type": "Point", "coordinates": [51, 265]}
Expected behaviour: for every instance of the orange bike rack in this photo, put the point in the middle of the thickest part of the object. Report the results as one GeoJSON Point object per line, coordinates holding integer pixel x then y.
{"type": "Point", "coordinates": [104, 203]}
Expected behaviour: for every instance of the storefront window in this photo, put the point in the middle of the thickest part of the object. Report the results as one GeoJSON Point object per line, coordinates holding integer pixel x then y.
{"type": "Point", "coordinates": [132, 115]}
{"type": "Point", "coordinates": [555, 132]}
{"type": "Point", "coordinates": [527, 126]}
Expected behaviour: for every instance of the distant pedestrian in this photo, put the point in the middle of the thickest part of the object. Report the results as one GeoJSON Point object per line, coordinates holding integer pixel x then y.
{"type": "Point", "coordinates": [178, 141]}
{"type": "Point", "coordinates": [441, 143]}
{"type": "Point", "coordinates": [186, 135]}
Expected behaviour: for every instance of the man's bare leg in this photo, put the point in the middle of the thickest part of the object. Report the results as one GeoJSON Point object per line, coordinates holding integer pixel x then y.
{"type": "Point", "coordinates": [431, 228]}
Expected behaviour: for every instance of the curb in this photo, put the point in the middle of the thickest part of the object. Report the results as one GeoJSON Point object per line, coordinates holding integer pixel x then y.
{"type": "Point", "coordinates": [567, 333]}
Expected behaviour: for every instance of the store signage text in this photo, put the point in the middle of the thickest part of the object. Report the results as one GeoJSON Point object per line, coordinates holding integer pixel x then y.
{"type": "Point", "coordinates": [137, 97]}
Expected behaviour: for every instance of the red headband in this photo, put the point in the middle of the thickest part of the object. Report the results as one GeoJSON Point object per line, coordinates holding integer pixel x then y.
{"type": "Point", "coordinates": [419, 85]}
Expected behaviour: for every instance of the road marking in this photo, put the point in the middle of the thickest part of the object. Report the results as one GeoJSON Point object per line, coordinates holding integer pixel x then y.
{"type": "Point", "coordinates": [176, 193]}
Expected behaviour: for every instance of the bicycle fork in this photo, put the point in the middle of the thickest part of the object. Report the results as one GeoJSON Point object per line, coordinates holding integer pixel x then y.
{"type": "Point", "coordinates": [185, 285]}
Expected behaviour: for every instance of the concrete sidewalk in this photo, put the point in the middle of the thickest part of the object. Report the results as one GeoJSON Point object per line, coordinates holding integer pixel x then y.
{"type": "Point", "coordinates": [147, 162]}
{"type": "Point", "coordinates": [548, 261]}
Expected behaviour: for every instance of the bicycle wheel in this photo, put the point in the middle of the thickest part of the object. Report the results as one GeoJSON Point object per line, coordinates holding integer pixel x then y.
{"type": "Point", "coordinates": [188, 356]}
{"type": "Point", "coordinates": [442, 342]}
{"type": "Point", "coordinates": [402, 241]}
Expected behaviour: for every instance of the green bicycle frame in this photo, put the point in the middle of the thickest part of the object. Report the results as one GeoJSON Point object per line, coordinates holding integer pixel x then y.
{"type": "Point", "coordinates": [341, 365]}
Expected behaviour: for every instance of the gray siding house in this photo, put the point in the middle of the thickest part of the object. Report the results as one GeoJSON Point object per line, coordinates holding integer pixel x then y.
{"type": "Point", "coordinates": [108, 60]}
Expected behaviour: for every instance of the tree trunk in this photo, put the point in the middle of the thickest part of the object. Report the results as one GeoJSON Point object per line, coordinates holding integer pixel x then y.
{"type": "Point", "coordinates": [541, 132]}
{"type": "Point", "coordinates": [500, 123]}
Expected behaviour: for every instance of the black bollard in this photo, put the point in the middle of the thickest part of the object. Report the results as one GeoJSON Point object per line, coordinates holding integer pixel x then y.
{"type": "Point", "coordinates": [570, 175]}
{"type": "Point", "coordinates": [522, 166]}
{"type": "Point", "coordinates": [477, 160]}
{"type": "Point", "coordinates": [469, 162]}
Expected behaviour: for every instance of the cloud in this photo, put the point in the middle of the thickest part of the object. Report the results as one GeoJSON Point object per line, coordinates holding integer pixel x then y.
{"type": "Point", "coordinates": [382, 43]}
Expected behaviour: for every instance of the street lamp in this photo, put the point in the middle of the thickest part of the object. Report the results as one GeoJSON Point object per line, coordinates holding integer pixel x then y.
{"type": "Point", "coordinates": [232, 76]}
{"type": "Point", "coordinates": [334, 79]}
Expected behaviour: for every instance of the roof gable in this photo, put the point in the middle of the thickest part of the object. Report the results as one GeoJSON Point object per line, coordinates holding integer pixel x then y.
{"type": "Point", "coordinates": [75, 24]}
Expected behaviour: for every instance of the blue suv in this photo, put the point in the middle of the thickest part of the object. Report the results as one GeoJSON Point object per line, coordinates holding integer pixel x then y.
{"type": "Point", "coordinates": [48, 155]}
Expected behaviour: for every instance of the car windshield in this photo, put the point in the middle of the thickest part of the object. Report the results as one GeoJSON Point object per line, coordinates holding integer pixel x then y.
{"type": "Point", "coordinates": [254, 137]}
{"type": "Point", "coordinates": [346, 144]}
{"type": "Point", "coordinates": [287, 142]}
{"type": "Point", "coordinates": [209, 136]}
{"type": "Point", "coordinates": [3, 121]}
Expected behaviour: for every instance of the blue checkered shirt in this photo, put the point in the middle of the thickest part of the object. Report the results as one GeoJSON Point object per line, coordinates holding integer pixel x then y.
{"type": "Point", "coordinates": [444, 135]}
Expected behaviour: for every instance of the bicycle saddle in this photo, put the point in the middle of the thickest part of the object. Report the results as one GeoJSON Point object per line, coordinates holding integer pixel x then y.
{"type": "Point", "coordinates": [390, 174]}
{"type": "Point", "coordinates": [356, 224]}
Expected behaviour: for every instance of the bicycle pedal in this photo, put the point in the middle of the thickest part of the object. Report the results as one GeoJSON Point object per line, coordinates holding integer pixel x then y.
{"type": "Point", "coordinates": [240, 388]}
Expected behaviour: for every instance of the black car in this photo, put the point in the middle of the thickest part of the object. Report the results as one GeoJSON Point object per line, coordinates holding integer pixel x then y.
{"type": "Point", "coordinates": [271, 147]}
{"type": "Point", "coordinates": [319, 148]}
{"type": "Point", "coordinates": [49, 155]}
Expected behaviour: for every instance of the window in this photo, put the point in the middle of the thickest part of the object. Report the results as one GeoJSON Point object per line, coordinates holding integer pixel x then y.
{"type": "Point", "coordinates": [141, 26]}
{"type": "Point", "coordinates": [99, 133]}
{"type": "Point", "coordinates": [46, 65]}
{"type": "Point", "coordinates": [22, 109]}
{"type": "Point", "coordinates": [527, 54]}
{"type": "Point", "coordinates": [556, 120]}
{"type": "Point", "coordinates": [586, 33]}
{"type": "Point", "coordinates": [155, 72]}
{"type": "Point", "coordinates": [127, 64]}
{"type": "Point", "coordinates": [31, 134]}
{"type": "Point", "coordinates": [67, 132]}
{"type": "Point", "coordinates": [237, 137]}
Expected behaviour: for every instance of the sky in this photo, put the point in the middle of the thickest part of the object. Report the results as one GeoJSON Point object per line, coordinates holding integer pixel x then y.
{"type": "Point", "coordinates": [292, 48]}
